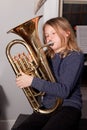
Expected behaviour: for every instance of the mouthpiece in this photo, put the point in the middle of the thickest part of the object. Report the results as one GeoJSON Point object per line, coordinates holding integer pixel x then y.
{"type": "Point", "coordinates": [45, 46]}
{"type": "Point", "coordinates": [50, 44]}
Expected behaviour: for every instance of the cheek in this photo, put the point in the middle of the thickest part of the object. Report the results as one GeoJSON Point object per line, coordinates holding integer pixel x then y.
{"type": "Point", "coordinates": [58, 45]}
{"type": "Point", "coordinates": [57, 38]}
{"type": "Point", "coordinates": [58, 41]}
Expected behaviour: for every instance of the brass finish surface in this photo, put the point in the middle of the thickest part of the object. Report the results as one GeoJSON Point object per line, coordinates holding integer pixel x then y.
{"type": "Point", "coordinates": [39, 66]}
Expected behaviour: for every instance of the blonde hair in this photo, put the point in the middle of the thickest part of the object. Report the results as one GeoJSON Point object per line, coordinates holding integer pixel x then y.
{"type": "Point", "coordinates": [60, 23]}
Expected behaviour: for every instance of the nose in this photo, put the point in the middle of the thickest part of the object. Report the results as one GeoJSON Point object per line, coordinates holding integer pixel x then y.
{"type": "Point", "coordinates": [49, 38]}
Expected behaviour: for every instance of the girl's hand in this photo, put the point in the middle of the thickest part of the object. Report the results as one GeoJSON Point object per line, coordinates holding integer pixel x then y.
{"type": "Point", "coordinates": [24, 80]}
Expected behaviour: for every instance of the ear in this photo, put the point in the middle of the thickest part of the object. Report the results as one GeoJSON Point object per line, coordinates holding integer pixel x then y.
{"type": "Point", "coordinates": [67, 33]}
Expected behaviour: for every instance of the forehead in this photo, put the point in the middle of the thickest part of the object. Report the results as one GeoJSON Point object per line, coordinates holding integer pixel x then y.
{"type": "Point", "coordinates": [48, 28]}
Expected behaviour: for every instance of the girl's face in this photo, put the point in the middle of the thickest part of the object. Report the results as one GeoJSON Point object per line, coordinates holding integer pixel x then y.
{"type": "Point", "coordinates": [52, 36]}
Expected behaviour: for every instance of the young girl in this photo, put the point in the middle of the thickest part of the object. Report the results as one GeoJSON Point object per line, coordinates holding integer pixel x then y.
{"type": "Point", "coordinates": [66, 62]}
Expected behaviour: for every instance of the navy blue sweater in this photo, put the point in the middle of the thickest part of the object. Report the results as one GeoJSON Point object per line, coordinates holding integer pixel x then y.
{"type": "Point", "coordinates": [67, 72]}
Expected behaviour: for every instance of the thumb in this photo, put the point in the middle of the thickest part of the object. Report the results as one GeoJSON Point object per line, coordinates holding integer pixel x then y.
{"type": "Point", "coordinates": [21, 73]}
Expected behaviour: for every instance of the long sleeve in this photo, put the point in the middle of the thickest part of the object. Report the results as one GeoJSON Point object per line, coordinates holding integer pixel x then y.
{"type": "Point", "coordinates": [67, 73]}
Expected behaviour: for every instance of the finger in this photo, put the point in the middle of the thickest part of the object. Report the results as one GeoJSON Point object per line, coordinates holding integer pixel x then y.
{"type": "Point", "coordinates": [20, 74]}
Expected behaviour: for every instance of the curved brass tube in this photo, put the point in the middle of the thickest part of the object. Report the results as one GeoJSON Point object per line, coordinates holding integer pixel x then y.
{"type": "Point", "coordinates": [38, 67]}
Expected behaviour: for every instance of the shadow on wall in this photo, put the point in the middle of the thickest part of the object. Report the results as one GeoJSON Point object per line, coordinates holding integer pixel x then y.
{"type": "Point", "coordinates": [3, 104]}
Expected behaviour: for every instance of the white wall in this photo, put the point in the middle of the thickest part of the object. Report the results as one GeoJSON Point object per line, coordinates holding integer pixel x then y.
{"type": "Point", "coordinates": [12, 13]}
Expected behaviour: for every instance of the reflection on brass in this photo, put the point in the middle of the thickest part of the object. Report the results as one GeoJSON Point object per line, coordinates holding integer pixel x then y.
{"type": "Point", "coordinates": [38, 67]}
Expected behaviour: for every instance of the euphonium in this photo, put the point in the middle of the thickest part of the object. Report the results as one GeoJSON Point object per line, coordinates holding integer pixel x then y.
{"type": "Point", "coordinates": [38, 67]}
